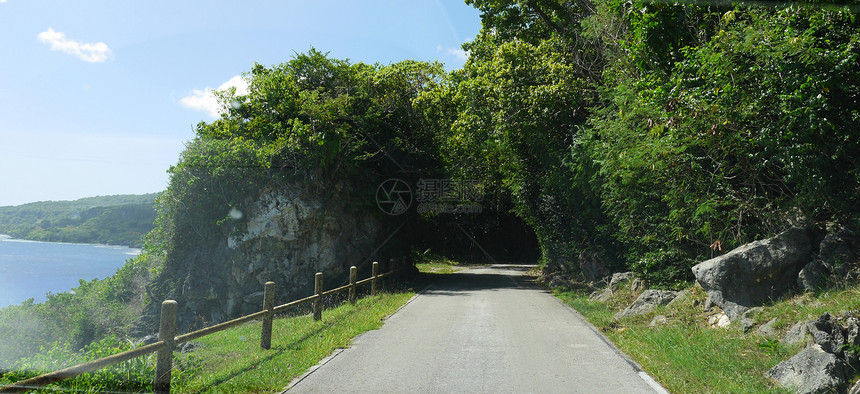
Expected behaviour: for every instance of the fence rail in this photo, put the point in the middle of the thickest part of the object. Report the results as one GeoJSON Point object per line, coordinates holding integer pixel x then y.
{"type": "Point", "coordinates": [168, 340]}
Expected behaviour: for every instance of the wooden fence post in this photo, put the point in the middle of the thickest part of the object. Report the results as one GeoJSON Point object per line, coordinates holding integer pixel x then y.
{"type": "Point", "coordinates": [392, 266]}
{"type": "Point", "coordinates": [353, 276]}
{"type": "Point", "coordinates": [318, 289]}
{"type": "Point", "coordinates": [166, 333]}
{"type": "Point", "coordinates": [374, 273]}
{"type": "Point", "coordinates": [268, 305]}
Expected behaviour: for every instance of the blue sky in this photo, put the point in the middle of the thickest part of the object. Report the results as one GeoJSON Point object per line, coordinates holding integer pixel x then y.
{"type": "Point", "coordinates": [99, 97]}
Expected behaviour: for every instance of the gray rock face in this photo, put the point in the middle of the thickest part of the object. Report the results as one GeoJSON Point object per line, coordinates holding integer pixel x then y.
{"type": "Point", "coordinates": [812, 276]}
{"type": "Point", "coordinates": [592, 266]}
{"type": "Point", "coordinates": [601, 295]}
{"type": "Point", "coordinates": [755, 272]}
{"type": "Point", "coordinates": [286, 236]}
{"type": "Point", "coordinates": [852, 339]}
{"type": "Point", "coordinates": [767, 329]}
{"type": "Point", "coordinates": [839, 249]}
{"type": "Point", "coordinates": [620, 278]}
{"type": "Point", "coordinates": [647, 302]}
{"type": "Point", "coordinates": [811, 371]}
{"type": "Point", "coordinates": [796, 334]}
{"type": "Point", "coordinates": [827, 333]}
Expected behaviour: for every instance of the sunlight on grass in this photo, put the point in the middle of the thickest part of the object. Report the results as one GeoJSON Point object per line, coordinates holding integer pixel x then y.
{"type": "Point", "coordinates": [687, 356]}
{"type": "Point", "coordinates": [438, 268]}
{"type": "Point", "coordinates": [232, 360]}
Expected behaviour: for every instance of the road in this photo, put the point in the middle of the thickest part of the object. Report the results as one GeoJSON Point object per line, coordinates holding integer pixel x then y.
{"type": "Point", "coordinates": [484, 330]}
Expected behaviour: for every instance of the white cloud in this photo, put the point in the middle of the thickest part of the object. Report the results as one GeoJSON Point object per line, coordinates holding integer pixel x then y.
{"type": "Point", "coordinates": [88, 52]}
{"type": "Point", "coordinates": [458, 53]}
{"type": "Point", "coordinates": [205, 100]}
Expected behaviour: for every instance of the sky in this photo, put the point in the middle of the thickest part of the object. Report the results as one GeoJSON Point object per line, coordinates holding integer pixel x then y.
{"type": "Point", "coordinates": [100, 97]}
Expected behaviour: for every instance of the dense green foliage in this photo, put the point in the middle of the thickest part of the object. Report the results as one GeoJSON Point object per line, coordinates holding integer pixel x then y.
{"type": "Point", "coordinates": [644, 132]}
{"type": "Point", "coordinates": [113, 220]}
{"type": "Point", "coordinates": [339, 129]}
{"type": "Point", "coordinates": [651, 135]}
{"type": "Point", "coordinates": [135, 375]}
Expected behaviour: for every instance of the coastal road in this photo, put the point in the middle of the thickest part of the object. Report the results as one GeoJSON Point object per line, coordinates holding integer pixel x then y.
{"type": "Point", "coordinates": [480, 330]}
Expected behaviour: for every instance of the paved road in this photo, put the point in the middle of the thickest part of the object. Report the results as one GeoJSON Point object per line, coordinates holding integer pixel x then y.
{"type": "Point", "coordinates": [485, 330]}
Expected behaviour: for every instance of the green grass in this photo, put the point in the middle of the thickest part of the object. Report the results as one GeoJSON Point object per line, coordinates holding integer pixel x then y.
{"type": "Point", "coordinates": [231, 361]}
{"type": "Point", "coordinates": [438, 268]}
{"type": "Point", "coordinates": [688, 356]}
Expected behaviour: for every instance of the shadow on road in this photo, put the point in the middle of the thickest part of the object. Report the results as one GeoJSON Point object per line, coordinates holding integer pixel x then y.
{"type": "Point", "coordinates": [493, 277]}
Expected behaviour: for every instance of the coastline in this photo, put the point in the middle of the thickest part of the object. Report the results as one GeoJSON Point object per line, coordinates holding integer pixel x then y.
{"type": "Point", "coordinates": [9, 238]}
{"type": "Point", "coordinates": [34, 269]}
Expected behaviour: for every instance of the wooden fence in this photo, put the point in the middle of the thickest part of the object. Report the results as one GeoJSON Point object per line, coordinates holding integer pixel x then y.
{"type": "Point", "coordinates": [167, 340]}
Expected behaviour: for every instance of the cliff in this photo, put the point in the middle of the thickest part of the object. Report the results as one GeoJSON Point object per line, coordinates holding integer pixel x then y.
{"type": "Point", "coordinates": [286, 236]}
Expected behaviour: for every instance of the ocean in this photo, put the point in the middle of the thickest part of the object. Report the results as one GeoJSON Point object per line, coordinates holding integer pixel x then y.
{"type": "Point", "coordinates": [31, 269]}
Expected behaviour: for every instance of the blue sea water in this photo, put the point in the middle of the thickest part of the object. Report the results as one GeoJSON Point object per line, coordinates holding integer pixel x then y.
{"type": "Point", "coordinates": [32, 269]}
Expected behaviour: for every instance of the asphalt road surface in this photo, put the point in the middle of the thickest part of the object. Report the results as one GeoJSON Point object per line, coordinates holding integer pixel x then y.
{"type": "Point", "coordinates": [483, 330]}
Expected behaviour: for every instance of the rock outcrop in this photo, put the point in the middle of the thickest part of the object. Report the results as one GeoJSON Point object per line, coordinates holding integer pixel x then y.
{"type": "Point", "coordinates": [286, 236]}
{"type": "Point", "coordinates": [813, 370]}
{"type": "Point", "coordinates": [756, 272]}
{"type": "Point", "coordinates": [824, 365]}
{"type": "Point", "coordinates": [647, 302]}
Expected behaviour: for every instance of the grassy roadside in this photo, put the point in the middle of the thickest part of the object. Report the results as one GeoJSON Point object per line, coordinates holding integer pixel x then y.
{"type": "Point", "coordinates": [232, 361]}
{"type": "Point", "coordinates": [687, 355]}
{"type": "Point", "coordinates": [439, 268]}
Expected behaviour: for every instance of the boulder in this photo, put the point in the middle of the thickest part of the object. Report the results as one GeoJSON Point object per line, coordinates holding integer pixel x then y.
{"type": "Point", "coordinates": [719, 320]}
{"type": "Point", "coordinates": [839, 250]}
{"type": "Point", "coordinates": [813, 370]}
{"type": "Point", "coordinates": [755, 272]}
{"type": "Point", "coordinates": [768, 329]}
{"type": "Point", "coordinates": [796, 334]}
{"type": "Point", "coordinates": [683, 297]}
{"type": "Point", "coordinates": [592, 266]}
{"type": "Point", "coordinates": [647, 302]}
{"type": "Point", "coordinates": [637, 285]}
{"type": "Point", "coordinates": [813, 275]}
{"type": "Point", "coordinates": [659, 320]}
{"type": "Point", "coordinates": [852, 339]}
{"type": "Point", "coordinates": [620, 278]}
{"type": "Point", "coordinates": [827, 333]}
{"type": "Point", "coordinates": [601, 295]}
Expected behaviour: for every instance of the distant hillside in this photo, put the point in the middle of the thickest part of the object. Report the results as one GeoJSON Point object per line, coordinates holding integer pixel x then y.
{"type": "Point", "coordinates": [114, 220]}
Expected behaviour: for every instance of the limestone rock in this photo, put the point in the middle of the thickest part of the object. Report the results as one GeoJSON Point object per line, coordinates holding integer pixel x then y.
{"type": "Point", "coordinates": [796, 334]}
{"type": "Point", "coordinates": [620, 278]}
{"type": "Point", "coordinates": [755, 272]}
{"type": "Point", "coordinates": [659, 320]}
{"type": "Point", "coordinates": [719, 320]}
{"type": "Point", "coordinates": [813, 370]}
{"type": "Point", "coordinates": [852, 339]}
{"type": "Point", "coordinates": [637, 285]}
{"type": "Point", "coordinates": [284, 235]}
{"type": "Point", "coordinates": [684, 296]}
{"type": "Point", "coordinates": [827, 333]}
{"type": "Point", "coordinates": [647, 302]}
{"type": "Point", "coordinates": [839, 249]}
{"type": "Point", "coordinates": [767, 329]}
{"type": "Point", "coordinates": [812, 276]}
{"type": "Point", "coordinates": [601, 295]}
